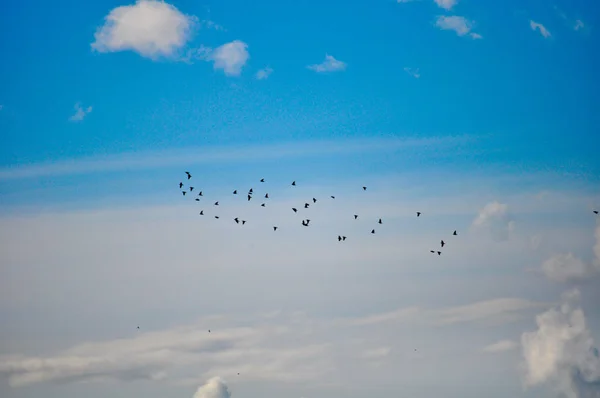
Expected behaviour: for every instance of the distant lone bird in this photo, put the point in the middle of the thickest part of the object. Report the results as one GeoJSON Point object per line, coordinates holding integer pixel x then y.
{"type": "Point", "coordinates": [191, 189]}
{"type": "Point", "coordinates": [216, 217]}
{"type": "Point", "coordinates": [237, 221]}
{"type": "Point", "coordinates": [332, 197]}
{"type": "Point", "coordinates": [250, 191]}
{"type": "Point", "coordinates": [249, 197]}
{"type": "Point", "coordinates": [274, 228]}
{"type": "Point", "coordinates": [138, 327]}
{"type": "Point", "coordinates": [201, 212]}
{"type": "Point", "coordinates": [188, 174]}
{"type": "Point", "coordinates": [418, 213]}
{"type": "Point", "coordinates": [304, 223]}
{"type": "Point", "coordinates": [235, 192]}
{"type": "Point", "coordinates": [454, 233]}
{"type": "Point", "coordinates": [263, 205]}
{"type": "Point", "coordinates": [343, 238]}
{"type": "Point", "coordinates": [355, 216]}
{"type": "Point", "coordinates": [380, 221]}
{"type": "Point", "coordinates": [314, 200]}
{"type": "Point", "coordinates": [295, 210]}
{"type": "Point", "coordinates": [216, 203]}
{"type": "Point", "coordinates": [595, 211]}
{"type": "Point", "coordinates": [339, 238]}
{"type": "Point", "coordinates": [442, 243]}
{"type": "Point", "coordinates": [266, 196]}
{"type": "Point", "coordinates": [294, 183]}
{"type": "Point", "coordinates": [364, 188]}
{"type": "Point", "coordinates": [183, 192]}
{"type": "Point", "coordinates": [439, 253]}
{"type": "Point", "coordinates": [262, 180]}
{"type": "Point", "coordinates": [307, 221]}
{"type": "Point", "coordinates": [180, 185]}
{"type": "Point", "coordinates": [208, 330]}
{"type": "Point", "coordinates": [243, 222]}
{"type": "Point", "coordinates": [197, 200]}
{"type": "Point", "coordinates": [200, 193]}
{"type": "Point", "coordinates": [372, 231]}
{"type": "Point", "coordinates": [432, 251]}
{"type": "Point", "coordinates": [306, 205]}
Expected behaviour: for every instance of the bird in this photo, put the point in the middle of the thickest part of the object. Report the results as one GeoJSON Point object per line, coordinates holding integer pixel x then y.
{"type": "Point", "coordinates": [183, 192]}
{"type": "Point", "coordinates": [138, 327]}
{"type": "Point", "coordinates": [197, 200]}
{"type": "Point", "coordinates": [307, 221]}
{"type": "Point", "coordinates": [237, 221]}
{"type": "Point", "coordinates": [262, 180]}
{"type": "Point", "coordinates": [201, 212]}
{"type": "Point", "coordinates": [595, 211]}
{"type": "Point", "coordinates": [188, 175]}
{"type": "Point", "coordinates": [216, 203]}
{"type": "Point", "coordinates": [295, 210]}
{"type": "Point", "coordinates": [306, 205]}
{"type": "Point", "coordinates": [314, 200]}
{"type": "Point", "coordinates": [263, 205]}
{"type": "Point", "coordinates": [432, 251]}
{"type": "Point", "coordinates": [208, 330]}
{"type": "Point", "coordinates": [339, 238]}
{"type": "Point", "coordinates": [380, 221]}
{"type": "Point", "coordinates": [249, 197]}
{"type": "Point", "coordinates": [304, 223]}
{"type": "Point", "coordinates": [191, 189]}
{"type": "Point", "coordinates": [274, 228]}
{"type": "Point", "coordinates": [418, 213]}
{"type": "Point", "coordinates": [332, 197]}
{"type": "Point", "coordinates": [200, 193]}
{"type": "Point", "coordinates": [454, 233]}
{"type": "Point", "coordinates": [442, 243]}
{"type": "Point", "coordinates": [180, 185]}
{"type": "Point", "coordinates": [343, 238]}
{"type": "Point", "coordinates": [266, 196]}
{"type": "Point", "coordinates": [250, 191]}
{"type": "Point", "coordinates": [355, 216]}
{"type": "Point", "coordinates": [364, 188]}
{"type": "Point", "coordinates": [439, 253]}
{"type": "Point", "coordinates": [372, 231]}
{"type": "Point", "coordinates": [235, 192]}
{"type": "Point", "coordinates": [238, 374]}
{"type": "Point", "coordinates": [294, 183]}
{"type": "Point", "coordinates": [243, 222]}
{"type": "Point", "coordinates": [216, 217]}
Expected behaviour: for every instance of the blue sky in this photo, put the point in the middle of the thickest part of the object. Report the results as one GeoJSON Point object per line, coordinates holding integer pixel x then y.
{"type": "Point", "coordinates": [483, 115]}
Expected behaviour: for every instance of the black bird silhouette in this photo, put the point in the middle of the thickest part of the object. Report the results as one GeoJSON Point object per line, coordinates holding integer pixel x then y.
{"type": "Point", "coordinates": [306, 205]}
{"type": "Point", "coordinates": [418, 213]}
{"type": "Point", "coordinates": [208, 330]}
{"type": "Point", "coordinates": [314, 200]}
{"type": "Point", "coordinates": [432, 251]}
{"type": "Point", "coordinates": [262, 180]}
{"type": "Point", "coordinates": [216, 203]}
{"type": "Point", "coordinates": [364, 188]}
{"type": "Point", "coordinates": [454, 233]}
{"type": "Point", "coordinates": [442, 243]}
{"type": "Point", "coordinates": [294, 183]}
{"type": "Point", "coordinates": [332, 197]}
{"type": "Point", "coordinates": [343, 238]}
{"type": "Point", "coordinates": [183, 192]}
{"type": "Point", "coordinates": [180, 185]}
{"type": "Point", "coordinates": [339, 238]}
{"type": "Point", "coordinates": [379, 221]}
{"type": "Point", "coordinates": [250, 191]}
{"type": "Point", "coordinates": [197, 200]}
{"type": "Point", "coordinates": [372, 231]}
{"type": "Point", "coordinates": [295, 210]}
{"type": "Point", "coordinates": [243, 222]}
{"type": "Point", "coordinates": [274, 228]}
{"type": "Point", "coordinates": [200, 193]}
{"type": "Point", "coordinates": [266, 196]}
{"type": "Point", "coordinates": [595, 211]}
{"type": "Point", "coordinates": [138, 327]}
{"type": "Point", "coordinates": [235, 192]}
{"type": "Point", "coordinates": [304, 223]}
{"type": "Point", "coordinates": [191, 189]}
{"type": "Point", "coordinates": [249, 197]}
{"type": "Point", "coordinates": [355, 216]}
{"type": "Point", "coordinates": [217, 217]}
{"type": "Point", "coordinates": [237, 221]}
{"type": "Point", "coordinates": [201, 212]}
{"type": "Point", "coordinates": [263, 205]}
{"type": "Point", "coordinates": [188, 174]}
{"type": "Point", "coordinates": [439, 253]}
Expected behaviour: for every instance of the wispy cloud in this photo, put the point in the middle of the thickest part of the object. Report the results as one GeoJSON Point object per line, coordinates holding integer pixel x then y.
{"type": "Point", "coordinates": [80, 113]}
{"type": "Point", "coordinates": [500, 346]}
{"type": "Point", "coordinates": [540, 28]}
{"type": "Point", "coordinates": [264, 73]}
{"type": "Point", "coordinates": [460, 25]}
{"type": "Point", "coordinates": [217, 154]}
{"type": "Point", "coordinates": [151, 28]}
{"type": "Point", "coordinates": [414, 72]}
{"type": "Point", "coordinates": [446, 4]}
{"type": "Point", "coordinates": [330, 64]}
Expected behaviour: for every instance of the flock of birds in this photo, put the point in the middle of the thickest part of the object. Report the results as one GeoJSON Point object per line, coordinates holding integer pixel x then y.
{"type": "Point", "coordinates": [304, 222]}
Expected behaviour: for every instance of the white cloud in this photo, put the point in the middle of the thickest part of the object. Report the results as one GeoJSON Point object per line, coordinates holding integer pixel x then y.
{"type": "Point", "coordinates": [212, 25]}
{"type": "Point", "coordinates": [446, 4]}
{"type": "Point", "coordinates": [502, 309]}
{"type": "Point", "coordinates": [539, 27]}
{"type": "Point", "coordinates": [578, 24]}
{"type": "Point", "coordinates": [414, 72]}
{"type": "Point", "coordinates": [80, 113]}
{"type": "Point", "coordinates": [151, 28]}
{"type": "Point", "coordinates": [460, 25]}
{"type": "Point", "coordinates": [330, 64]}
{"type": "Point", "coordinates": [561, 351]}
{"type": "Point", "coordinates": [570, 268]}
{"type": "Point", "coordinates": [230, 57]}
{"type": "Point", "coordinates": [535, 241]}
{"type": "Point", "coordinates": [213, 388]}
{"type": "Point", "coordinates": [264, 73]}
{"type": "Point", "coordinates": [500, 346]}
{"type": "Point", "coordinates": [494, 218]}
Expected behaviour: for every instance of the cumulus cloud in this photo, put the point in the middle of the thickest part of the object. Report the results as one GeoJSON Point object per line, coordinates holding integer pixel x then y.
{"type": "Point", "coordinates": [561, 352]}
{"type": "Point", "coordinates": [264, 73]}
{"type": "Point", "coordinates": [500, 346]}
{"type": "Point", "coordinates": [213, 388]}
{"type": "Point", "coordinates": [151, 28]}
{"type": "Point", "coordinates": [446, 4]}
{"type": "Point", "coordinates": [330, 64]}
{"type": "Point", "coordinates": [567, 267]}
{"type": "Point", "coordinates": [230, 57]}
{"type": "Point", "coordinates": [80, 113]}
{"type": "Point", "coordinates": [460, 25]}
{"type": "Point", "coordinates": [414, 72]}
{"type": "Point", "coordinates": [539, 27]}
{"type": "Point", "coordinates": [494, 218]}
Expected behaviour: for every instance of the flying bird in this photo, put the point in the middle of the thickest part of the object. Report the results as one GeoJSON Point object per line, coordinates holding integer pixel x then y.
{"type": "Point", "coordinates": [364, 188]}
{"type": "Point", "coordinates": [432, 251]}
{"type": "Point", "coordinates": [237, 221]}
{"type": "Point", "coordinates": [235, 192]}
{"type": "Point", "coordinates": [454, 233]}
{"type": "Point", "coordinates": [339, 238]}
{"type": "Point", "coordinates": [266, 196]}
{"type": "Point", "coordinates": [355, 216]}
{"type": "Point", "coordinates": [201, 212]}
{"type": "Point", "coordinates": [263, 205]}
{"type": "Point", "coordinates": [274, 228]}
{"type": "Point", "coordinates": [200, 193]}
{"type": "Point", "coordinates": [208, 330]}
{"type": "Point", "coordinates": [343, 238]}
{"type": "Point", "coordinates": [243, 222]}
{"type": "Point", "coordinates": [314, 200]}
{"type": "Point", "coordinates": [250, 191]}
{"type": "Point", "coordinates": [180, 185]}
{"type": "Point", "coordinates": [418, 213]}
{"type": "Point", "coordinates": [138, 327]}
{"type": "Point", "coordinates": [439, 253]}
{"type": "Point", "coordinates": [306, 205]}
{"type": "Point", "coordinates": [595, 211]}
{"type": "Point", "coordinates": [295, 210]}
{"type": "Point", "coordinates": [332, 197]}
{"type": "Point", "coordinates": [294, 183]}
{"type": "Point", "coordinates": [188, 174]}
{"type": "Point", "coordinates": [216, 203]}
{"type": "Point", "coordinates": [183, 192]}
{"type": "Point", "coordinates": [216, 217]}
{"type": "Point", "coordinates": [442, 243]}
{"type": "Point", "coordinates": [379, 221]}
{"type": "Point", "coordinates": [191, 189]}
{"type": "Point", "coordinates": [372, 231]}
{"type": "Point", "coordinates": [262, 180]}
{"type": "Point", "coordinates": [197, 200]}
{"type": "Point", "coordinates": [249, 197]}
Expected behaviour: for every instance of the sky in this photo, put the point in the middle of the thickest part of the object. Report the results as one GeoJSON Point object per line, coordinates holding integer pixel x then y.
{"type": "Point", "coordinates": [482, 116]}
